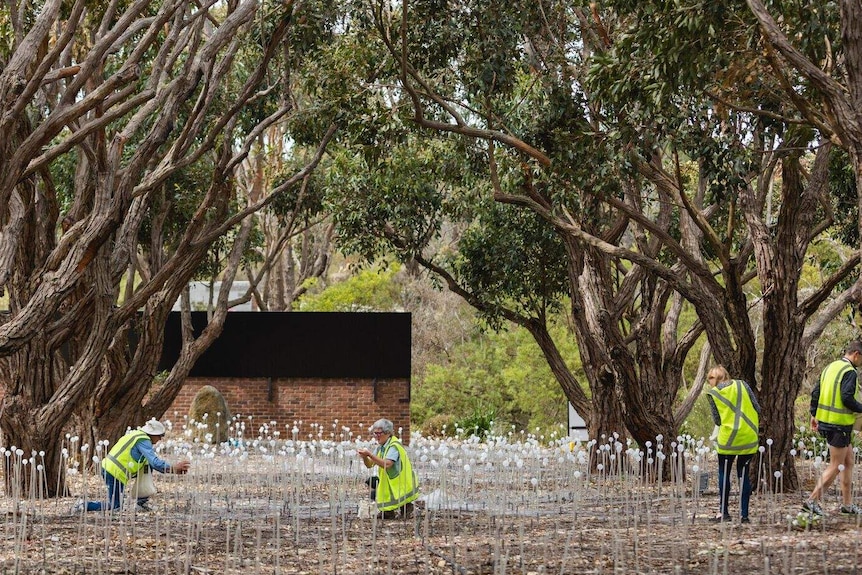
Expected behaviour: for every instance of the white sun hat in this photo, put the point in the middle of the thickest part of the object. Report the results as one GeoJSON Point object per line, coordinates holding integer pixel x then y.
{"type": "Point", "coordinates": [153, 427]}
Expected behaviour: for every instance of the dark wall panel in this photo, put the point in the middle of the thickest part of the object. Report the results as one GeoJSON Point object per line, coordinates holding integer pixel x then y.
{"type": "Point", "coordinates": [299, 344]}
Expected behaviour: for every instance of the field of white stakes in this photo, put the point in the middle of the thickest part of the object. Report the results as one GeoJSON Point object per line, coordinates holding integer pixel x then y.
{"type": "Point", "coordinates": [286, 502]}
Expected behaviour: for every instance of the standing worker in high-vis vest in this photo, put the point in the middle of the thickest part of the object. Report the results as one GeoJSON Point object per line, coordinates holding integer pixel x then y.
{"type": "Point", "coordinates": [397, 487]}
{"type": "Point", "coordinates": [736, 414]}
{"type": "Point", "coordinates": [130, 455]}
{"type": "Point", "coordinates": [833, 411]}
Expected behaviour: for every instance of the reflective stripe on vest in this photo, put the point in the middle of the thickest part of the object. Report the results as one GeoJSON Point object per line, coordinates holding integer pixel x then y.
{"type": "Point", "coordinates": [119, 462]}
{"type": "Point", "coordinates": [397, 491]}
{"type": "Point", "coordinates": [738, 433]}
{"type": "Point", "coordinates": [830, 408]}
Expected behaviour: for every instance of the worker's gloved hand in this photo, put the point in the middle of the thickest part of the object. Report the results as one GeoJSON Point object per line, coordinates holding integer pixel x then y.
{"type": "Point", "coordinates": [714, 435]}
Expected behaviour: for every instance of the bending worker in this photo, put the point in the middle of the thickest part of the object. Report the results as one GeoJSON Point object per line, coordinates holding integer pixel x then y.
{"type": "Point", "coordinates": [397, 487]}
{"type": "Point", "coordinates": [129, 456]}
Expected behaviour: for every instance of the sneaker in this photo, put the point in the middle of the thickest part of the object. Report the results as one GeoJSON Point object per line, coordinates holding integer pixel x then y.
{"type": "Point", "coordinates": [745, 520]}
{"type": "Point", "coordinates": [812, 506]}
{"type": "Point", "coordinates": [851, 509]}
{"type": "Point", "coordinates": [78, 507]}
{"type": "Point", "coordinates": [720, 519]}
{"type": "Point", "coordinates": [143, 508]}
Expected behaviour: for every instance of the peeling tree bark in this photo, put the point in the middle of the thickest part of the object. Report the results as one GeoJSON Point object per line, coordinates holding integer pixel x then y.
{"type": "Point", "coordinates": [146, 100]}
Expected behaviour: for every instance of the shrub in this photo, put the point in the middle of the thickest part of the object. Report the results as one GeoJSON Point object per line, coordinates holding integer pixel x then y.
{"type": "Point", "coordinates": [479, 423]}
{"type": "Point", "coordinates": [441, 425]}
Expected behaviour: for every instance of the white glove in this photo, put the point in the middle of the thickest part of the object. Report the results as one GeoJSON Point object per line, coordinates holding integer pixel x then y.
{"type": "Point", "coordinates": [714, 435]}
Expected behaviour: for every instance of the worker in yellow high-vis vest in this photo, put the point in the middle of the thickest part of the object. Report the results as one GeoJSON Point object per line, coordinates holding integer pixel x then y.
{"type": "Point", "coordinates": [131, 454]}
{"type": "Point", "coordinates": [736, 414]}
{"type": "Point", "coordinates": [833, 411]}
{"type": "Point", "coordinates": [397, 486]}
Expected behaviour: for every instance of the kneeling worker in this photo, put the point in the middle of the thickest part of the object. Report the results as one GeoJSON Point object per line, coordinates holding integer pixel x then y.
{"type": "Point", "coordinates": [397, 486]}
{"type": "Point", "coordinates": [130, 455]}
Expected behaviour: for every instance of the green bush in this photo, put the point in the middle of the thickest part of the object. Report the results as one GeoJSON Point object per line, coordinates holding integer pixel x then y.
{"type": "Point", "coordinates": [478, 423]}
{"type": "Point", "coordinates": [509, 374]}
{"type": "Point", "coordinates": [441, 425]}
{"type": "Point", "coordinates": [810, 441]}
{"type": "Point", "coordinates": [367, 290]}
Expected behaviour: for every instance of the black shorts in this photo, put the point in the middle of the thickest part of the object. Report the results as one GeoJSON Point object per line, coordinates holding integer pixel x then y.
{"type": "Point", "coordinates": [837, 437]}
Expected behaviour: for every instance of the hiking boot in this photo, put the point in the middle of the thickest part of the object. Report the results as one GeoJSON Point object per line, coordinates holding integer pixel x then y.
{"type": "Point", "coordinates": [143, 508]}
{"type": "Point", "coordinates": [851, 509]}
{"type": "Point", "coordinates": [721, 519]}
{"type": "Point", "coordinates": [745, 520]}
{"type": "Point", "coordinates": [812, 506]}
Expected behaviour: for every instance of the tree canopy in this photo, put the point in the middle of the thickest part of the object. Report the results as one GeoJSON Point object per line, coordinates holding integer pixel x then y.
{"type": "Point", "coordinates": [622, 162]}
{"type": "Point", "coordinates": [664, 149]}
{"type": "Point", "coordinates": [128, 128]}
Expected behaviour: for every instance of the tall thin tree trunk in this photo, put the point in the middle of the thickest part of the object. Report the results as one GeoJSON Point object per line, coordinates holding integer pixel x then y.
{"type": "Point", "coordinates": [571, 387]}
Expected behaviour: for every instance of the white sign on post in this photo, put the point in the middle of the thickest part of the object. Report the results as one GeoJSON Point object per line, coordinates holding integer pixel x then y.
{"type": "Point", "coordinates": [577, 426]}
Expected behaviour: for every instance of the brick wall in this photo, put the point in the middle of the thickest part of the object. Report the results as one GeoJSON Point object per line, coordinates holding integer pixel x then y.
{"type": "Point", "coordinates": [356, 404]}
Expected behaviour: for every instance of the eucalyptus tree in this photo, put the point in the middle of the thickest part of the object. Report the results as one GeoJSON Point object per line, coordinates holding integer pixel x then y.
{"type": "Point", "coordinates": [822, 55]}
{"type": "Point", "coordinates": [611, 127]}
{"type": "Point", "coordinates": [297, 234]}
{"type": "Point", "coordinates": [523, 77]}
{"type": "Point", "coordinates": [422, 204]}
{"type": "Point", "coordinates": [770, 170]}
{"type": "Point", "coordinates": [125, 125]}
{"type": "Point", "coordinates": [823, 51]}
{"type": "Point", "coordinates": [495, 89]}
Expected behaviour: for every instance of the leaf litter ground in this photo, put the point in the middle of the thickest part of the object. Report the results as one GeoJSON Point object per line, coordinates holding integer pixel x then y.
{"type": "Point", "coordinates": [257, 513]}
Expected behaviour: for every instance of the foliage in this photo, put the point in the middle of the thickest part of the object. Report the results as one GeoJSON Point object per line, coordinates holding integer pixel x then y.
{"type": "Point", "coordinates": [699, 421]}
{"type": "Point", "coordinates": [511, 258]}
{"type": "Point", "coordinates": [396, 204]}
{"type": "Point", "coordinates": [63, 174]}
{"type": "Point", "coordinates": [842, 189]}
{"type": "Point", "coordinates": [805, 521]}
{"type": "Point", "coordinates": [441, 425]}
{"type": "Point", "coordinates": [479, 423]}
{"type": "Point", "coordinates": [808, 443]}
{"type": "Point", "coordinates": [303, 200]}
{"type": "Point", "coordinates": [366, 290]}
{"type": "Point", "coordinates": [506, 372]}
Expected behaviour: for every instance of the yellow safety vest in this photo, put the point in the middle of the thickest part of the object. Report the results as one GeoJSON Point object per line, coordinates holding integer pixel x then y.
{"type": "Point", "coordinates": [396, 488]}
{"type": "Point", "coordinates": [119, 462]}
{"type": "Point", "coordinates": [737, 434]}
{"type": "Point", "coordinates": [830, 408]}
